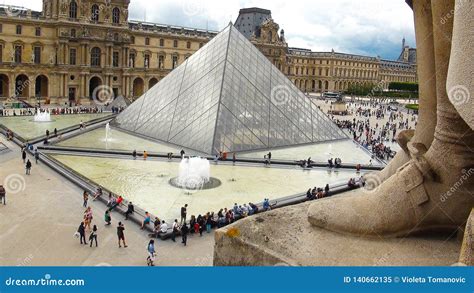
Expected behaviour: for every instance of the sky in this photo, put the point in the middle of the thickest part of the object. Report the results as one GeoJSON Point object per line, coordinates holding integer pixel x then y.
{"type": "Point", "coordinates": [365, 27]}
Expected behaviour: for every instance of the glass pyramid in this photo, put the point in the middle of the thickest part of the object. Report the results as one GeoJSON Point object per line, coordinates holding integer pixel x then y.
{"type": "Point", "coordinates": [228, 97]}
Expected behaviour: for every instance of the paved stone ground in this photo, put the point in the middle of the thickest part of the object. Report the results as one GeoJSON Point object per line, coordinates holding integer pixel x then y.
{"type": "Point", "coordinates": [44, 210]}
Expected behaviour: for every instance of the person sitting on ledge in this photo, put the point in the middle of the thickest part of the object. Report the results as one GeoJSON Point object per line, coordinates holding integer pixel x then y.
{"type": "Point", "coordinates": [320, 193]}
{"type": "Point", "coordinates": [338, 162]}
{"type": "Point", "coordinates": [330, 163]}
{"type": "Point", "coordinates": [351, 183]}
{"type": "Point", "coordinates": [326, 190]}
{"type": "Point", "coordinates": [156, 228]}
{"type": "Point", "coordinates": [117, 203]}
{"type": "Point", "coordinates": [170, 156]}
{"type": "Point", "coordinates": [97, 193]}
{"type": "Point", "coordinates": [163, 227]}
{"type": "Point", "coordinates": [134, 154]}
{"type": "Point", "coordinates": [266, 204]}
{"type": "Point", "coordinates": [309, 163]}
{"type": "Point", "coordinates": [130, 210]}
{"type": "Point", "coordinates": [309, 194]}
{"type": "Point", "coordinates": [253, 209]}
{"type": "Point", "coordinates": [146, 221]}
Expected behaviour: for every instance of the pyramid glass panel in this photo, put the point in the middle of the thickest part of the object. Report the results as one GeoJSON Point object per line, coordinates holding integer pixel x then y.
{"type": "Point", "coordinates": [228, 97]}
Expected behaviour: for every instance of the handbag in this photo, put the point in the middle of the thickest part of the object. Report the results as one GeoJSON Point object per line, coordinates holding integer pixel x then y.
{"type": "Point", "coordinates": [77, 234]}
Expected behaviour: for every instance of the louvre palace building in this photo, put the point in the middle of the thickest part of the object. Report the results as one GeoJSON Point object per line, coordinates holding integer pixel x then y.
{"type": "Point", "coordinates": [72, 47]}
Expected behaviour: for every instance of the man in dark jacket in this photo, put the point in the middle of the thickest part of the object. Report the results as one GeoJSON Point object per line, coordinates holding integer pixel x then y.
{"type": "Point", "coordinates": [3, 195]}
{"type": "Point", "coordinates": [184, 233]}
{"type": "Point", "coordinates": [130, 210]}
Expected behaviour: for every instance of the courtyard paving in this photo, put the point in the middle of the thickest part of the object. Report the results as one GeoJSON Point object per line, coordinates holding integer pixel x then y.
{"type": "Point", "coordinates": [44, 210]}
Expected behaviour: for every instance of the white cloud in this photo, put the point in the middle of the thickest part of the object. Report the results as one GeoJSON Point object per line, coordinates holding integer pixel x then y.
{"type": "Point", "coordinates": [371, 27]}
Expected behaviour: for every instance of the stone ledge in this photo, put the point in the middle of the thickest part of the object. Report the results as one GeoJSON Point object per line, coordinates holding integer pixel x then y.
{"type": "Point", "coordinates": [285, 237]}
{"type": "Point", "coordinates": [467, 250]}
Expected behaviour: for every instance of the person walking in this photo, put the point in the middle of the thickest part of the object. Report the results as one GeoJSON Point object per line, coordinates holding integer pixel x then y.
{"type": "Point", "coordinates": [184, 233]}
{"type": "Point", "coordinates": [36, 156]}
{"type": "Point", "coordinates": [151, 253]}
{"type": "Point", "coordinates": [23, 155]}
{"type": "Point", "coordinates": [184, 211]}
{"type": "Point", "coordinates": [28, 167]}
{"type": "Point", "coordinates": [85, 196]}
{"type": "Point", "coordinates": [3, 195]}
{"type": "Point", "coordinates": [121, 234]}
{"type": "Point", "coordinates": [93, 236]}
{"type": "Point", "coordinates": [82, 233]}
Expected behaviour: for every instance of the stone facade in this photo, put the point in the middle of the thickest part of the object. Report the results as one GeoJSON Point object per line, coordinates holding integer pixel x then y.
{"type": "Point", "coordinates": [73, 47]}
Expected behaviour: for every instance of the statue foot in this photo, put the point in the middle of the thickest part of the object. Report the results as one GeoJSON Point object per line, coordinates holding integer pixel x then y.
{"type": "Point", "coordinates": [408, 202]}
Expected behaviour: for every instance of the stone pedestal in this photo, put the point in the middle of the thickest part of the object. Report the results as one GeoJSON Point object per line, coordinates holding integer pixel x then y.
{"type": "Point", "coordinates": [285, 237]}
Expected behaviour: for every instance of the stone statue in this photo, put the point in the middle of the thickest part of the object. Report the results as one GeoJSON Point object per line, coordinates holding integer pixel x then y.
{"type": "Point", "coordinates": [84, 9]}
{"type": "Point", "coordinates": [64, 6]}
{"type": "Point", "coordinates": [125, 14]}
{"type": "Point", "coordinates": [427, 186]}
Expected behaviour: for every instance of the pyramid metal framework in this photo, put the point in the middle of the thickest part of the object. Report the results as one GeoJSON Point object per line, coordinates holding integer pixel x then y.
{"type": "Point", "coordinates": [228, 97]}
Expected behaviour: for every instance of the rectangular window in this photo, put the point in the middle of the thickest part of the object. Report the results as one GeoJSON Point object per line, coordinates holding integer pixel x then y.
{"type": "Point", "coordinates": [72, 56]}
{"type": "Point", "coordinates": [161, 62]}
{"type": "Point", "coordinates": [162, 42]}
{"type": "Point", "coordinates": [38, 31]}
{"type": "Point", "coordinates": [115, 59]}
{"type": "Point", "coordinates": [175, 43]}
{"type": "Point", "coordinates": [1, 53]}
{"type": "Point", "coordinates": [37, 55]}
{"type": "Point", "coordinates": [188, 45]}
{"type": "Point", "coordinates": [147, 41]}
{"type": "Point", "coordinates": [18, 29]}
{"type": "Point", "coordinates": [1, 28]}
{"type": "Point", "coordinates": [175, 62]}
{"type": "Point", "coordinates": [17, 54]}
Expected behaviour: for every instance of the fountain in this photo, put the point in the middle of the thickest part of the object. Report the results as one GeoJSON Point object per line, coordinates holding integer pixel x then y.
{"type": "Point", "coordinates": [42, 117]}
{"type": "Point", "coordinates": [194, 174]}
{"type": "Point", "coordinates": [107, 132]}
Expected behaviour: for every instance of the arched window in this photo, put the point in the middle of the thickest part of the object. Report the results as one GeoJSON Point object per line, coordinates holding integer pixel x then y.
{"type": "Point", "coordinates": [95, 13]}
{"type": "Point", "coordinates": [73, 10]}
{"type": "Point", "coordinates": [116, 15]}
{"type": "Point", "coordinates": [95, 56]}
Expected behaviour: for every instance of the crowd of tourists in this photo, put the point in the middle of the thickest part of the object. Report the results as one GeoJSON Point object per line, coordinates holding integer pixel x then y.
{"type": "Point", "coordinates": [52, 110]}
{"type": "Point", "coordinates": [376, 136]}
